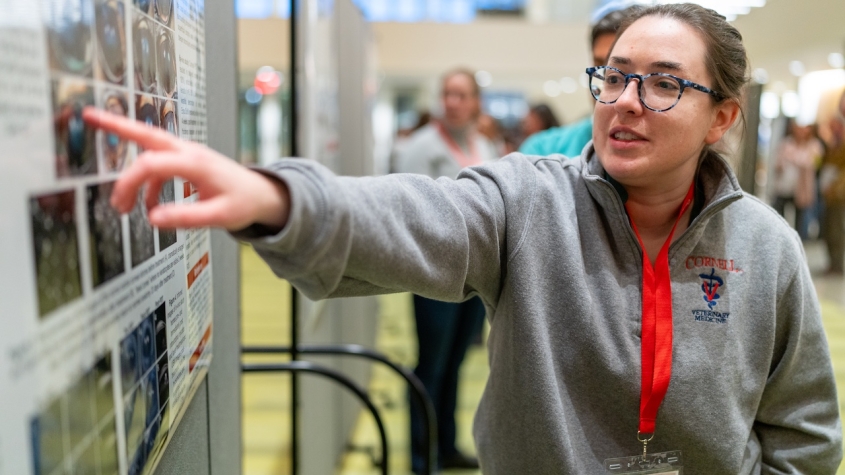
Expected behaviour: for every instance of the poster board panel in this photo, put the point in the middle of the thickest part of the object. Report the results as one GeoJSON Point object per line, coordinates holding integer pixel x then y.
{"type": "Point", "coordinates": [106, 325]}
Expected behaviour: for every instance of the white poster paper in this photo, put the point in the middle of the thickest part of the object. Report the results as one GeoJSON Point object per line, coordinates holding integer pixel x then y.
{"type": "Point", "coordinates": [105, 330]}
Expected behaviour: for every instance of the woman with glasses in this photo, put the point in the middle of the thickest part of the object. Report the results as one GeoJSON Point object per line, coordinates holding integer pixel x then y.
{"type": "Point", "coordinates": [645, 313]}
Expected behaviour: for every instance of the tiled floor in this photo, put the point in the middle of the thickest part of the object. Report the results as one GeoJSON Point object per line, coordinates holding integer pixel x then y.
{"type": "Point", "coordinates": [265, 416]}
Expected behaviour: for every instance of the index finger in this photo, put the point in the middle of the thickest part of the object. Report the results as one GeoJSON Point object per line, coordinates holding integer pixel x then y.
{"type": "Point", "coordinates": [147, 137]}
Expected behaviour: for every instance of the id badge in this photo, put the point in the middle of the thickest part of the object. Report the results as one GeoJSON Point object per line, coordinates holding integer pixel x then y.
{"type": "Point", "coordinates": [661, 463]}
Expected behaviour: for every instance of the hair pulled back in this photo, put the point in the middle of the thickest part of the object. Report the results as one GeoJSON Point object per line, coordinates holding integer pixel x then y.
{"type": "Point", "coordinates": [726, 60]}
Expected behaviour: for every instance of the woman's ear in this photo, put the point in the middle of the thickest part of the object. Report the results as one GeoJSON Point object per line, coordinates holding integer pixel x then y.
{"type": "Point", "coordinates": [724, 116]}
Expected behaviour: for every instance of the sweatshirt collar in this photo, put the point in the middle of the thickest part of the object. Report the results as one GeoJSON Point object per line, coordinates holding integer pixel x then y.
{"type": "Point", "coordinates": [715, 181]}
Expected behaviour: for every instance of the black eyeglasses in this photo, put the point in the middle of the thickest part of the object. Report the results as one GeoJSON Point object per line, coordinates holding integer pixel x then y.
{"type": "Point", "coordinates": [657, 91]}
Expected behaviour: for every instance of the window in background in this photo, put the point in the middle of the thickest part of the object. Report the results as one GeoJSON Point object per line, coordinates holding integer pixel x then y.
{"type": "Point", "coordinates": [508, 107]}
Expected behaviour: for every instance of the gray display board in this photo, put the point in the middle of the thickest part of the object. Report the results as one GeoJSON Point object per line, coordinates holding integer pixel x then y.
{"type": "Point", "coordinates": [105, 333]}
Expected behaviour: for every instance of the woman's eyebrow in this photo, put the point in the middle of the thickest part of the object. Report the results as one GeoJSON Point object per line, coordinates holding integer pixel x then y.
{"type": "Point", "coordinates": [661, 65]}
{"type": "Point", "coordinates": [670, 65]}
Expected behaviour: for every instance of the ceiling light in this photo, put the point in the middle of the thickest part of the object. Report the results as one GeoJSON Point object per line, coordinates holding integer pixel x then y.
{"type": "Point", "coordinates": [836, 60]}
{"type": "Point", "coordinates": [551, 88]}
{"type": "Point", "coordinates": [760, 75]}
{"type": "Point", "coordinates": [769, 105]}
{"type": "Point", "coordinates": [797, 68]}
{"type": "Point", "coordinates": [568, 85]}
{"type": "Point", "coordinates": [790, 104]}
{"type": "Point", "coordinates": [483, 78]}
{"type": "Point", "coordinates": [730, 9]}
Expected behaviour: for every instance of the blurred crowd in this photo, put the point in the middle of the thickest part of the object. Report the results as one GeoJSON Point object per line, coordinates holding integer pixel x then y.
{"type": "Point", "coordinates": [809, 183]}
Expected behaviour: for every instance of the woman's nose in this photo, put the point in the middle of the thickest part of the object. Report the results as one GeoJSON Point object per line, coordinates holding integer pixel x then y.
{"type": "Point", "coordinates": [629, 100]}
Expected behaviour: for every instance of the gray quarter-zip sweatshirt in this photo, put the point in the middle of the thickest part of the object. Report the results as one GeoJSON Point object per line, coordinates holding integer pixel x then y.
{"type": "Point", "coordinates": [546, 243]}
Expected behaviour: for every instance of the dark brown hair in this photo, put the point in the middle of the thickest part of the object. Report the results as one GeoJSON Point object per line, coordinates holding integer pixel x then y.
{"type": "Point", "coordinates": [725, 61]}
{"type": "Point", "coordinates": [610, 23]}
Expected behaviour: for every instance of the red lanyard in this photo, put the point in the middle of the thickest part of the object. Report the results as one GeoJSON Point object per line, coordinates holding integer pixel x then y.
{"type": "Point", "coordinates": [459, 155]}
{"type": "Point", "coordinates": [657, 327]}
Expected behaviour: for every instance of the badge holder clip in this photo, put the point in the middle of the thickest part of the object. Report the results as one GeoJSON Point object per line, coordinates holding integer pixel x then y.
{"type": "Point", "coordinates": [661, 463]}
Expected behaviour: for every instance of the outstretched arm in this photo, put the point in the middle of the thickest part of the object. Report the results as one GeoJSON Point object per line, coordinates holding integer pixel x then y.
{"type": "Point", "coordinates": [230, 196]}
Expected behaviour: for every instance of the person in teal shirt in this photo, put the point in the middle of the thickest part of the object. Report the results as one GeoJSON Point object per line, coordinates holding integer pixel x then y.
{"type": "Point", "coordinates": [570, 139]}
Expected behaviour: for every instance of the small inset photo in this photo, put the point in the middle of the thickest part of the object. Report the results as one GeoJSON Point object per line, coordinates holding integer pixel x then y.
{"type": "Point", "coordinates": [106, 235]}
{"type": "Point", "coordinates": [147, 111]}
{"type": "Point", "coordinates": [164, 11]}
{"type": "Point", "coordinates": [56, 246]}
{"type": "Point", "coordinates": [76, 152]}
{"type": "Point", "coordinates": [69, 39]}
{"type": "Point", "coordinates": [169, 117]}
{"type": "Point", "coordinates": [167, 237]}
{"type": "Point", "coordinates": [145, 6]}
{"type": "Point", "coordinates": [113, 149]}
{"type": "Point", "coordinates": [111, 41]}
{"type": "Point", "coordinates": [141, 238]}
{"type": "Point", "coordinates": [144, 36]}
{"type": "Point", "coordinates": [47, 435]}
{"type": "Point", "coordinates": [166, 63]}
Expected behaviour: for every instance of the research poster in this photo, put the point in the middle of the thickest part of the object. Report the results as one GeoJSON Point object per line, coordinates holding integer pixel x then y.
{"type": "Point", "coordinates": [106, 322]}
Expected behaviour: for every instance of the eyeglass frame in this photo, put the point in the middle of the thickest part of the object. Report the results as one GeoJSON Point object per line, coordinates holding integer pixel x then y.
{"type": "Point", "coordinates": [684, 83]}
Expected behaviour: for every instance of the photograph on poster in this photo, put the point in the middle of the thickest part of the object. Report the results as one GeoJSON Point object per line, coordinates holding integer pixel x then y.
{"type": "Point", "coordinates": [105, 233]}
{"type": "Point", "coordinates": [113, 149]}
{"type": "Point", "coordinates": [169, 117]}
{"type": "Point", "coordinates": [75, 146]}
{"type": "Point", "coordinates": [70, 44]}
{"type": "Point", "coordinates": [56, 249]}
{"type": "Point", "coordinates": [75, 433]}
{"type": "Point", "coordinates": [141, 238]}
{"type": "Point", "coordinates": [144, 38]}
{"type": "Point", "coordinates": [166, 63]}
{"type": "Point", "coordinates": [167, 237]}
{"type": "Point", "coordinates": [146, 110]}
{"type": "Point", "coordinates": [144, 368]}
{"type": "Point", "coordinates": [164, 11]}
{"type": "Point", "coordinates": [111, 39]}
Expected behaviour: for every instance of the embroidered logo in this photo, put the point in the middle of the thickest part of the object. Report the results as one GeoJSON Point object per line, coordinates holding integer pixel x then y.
{"type": "Point", "coordinates": [726, 265]}
{"type": "Point", "coordinates": [710, 284]}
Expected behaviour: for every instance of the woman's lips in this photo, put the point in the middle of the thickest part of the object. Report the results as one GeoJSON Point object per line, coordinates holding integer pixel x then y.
{"type": "Point", "coordinates": [621, 137]}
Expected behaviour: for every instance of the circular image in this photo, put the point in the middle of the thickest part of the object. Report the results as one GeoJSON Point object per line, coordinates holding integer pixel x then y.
{"type": "Point", "coordinates": [143, 5]}
{"type": "Point", "coordinates": [147, 112]}
{"type": "Point", "coordinates": [145, 63]}
{"type": "Point", "coordinates": [168, 117]}
{"type": "Point", "coordinates": [114, 149]}
{"type": "Point", "coordinates": [164, 10]}
{"type": "Point", "coordinates": [112, 39]}
{"type": "Point", "coordinates": [166, 63]}
{"type": "Point", "coordinates": [69, 33]}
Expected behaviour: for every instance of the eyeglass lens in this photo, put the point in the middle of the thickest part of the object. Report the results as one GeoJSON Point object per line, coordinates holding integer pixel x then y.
{"type": "Point", "coordinates": [657, 92]}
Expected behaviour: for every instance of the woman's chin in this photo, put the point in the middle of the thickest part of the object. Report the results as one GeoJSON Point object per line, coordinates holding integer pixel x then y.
{"type": "Point", "coordinates": [625, 170]}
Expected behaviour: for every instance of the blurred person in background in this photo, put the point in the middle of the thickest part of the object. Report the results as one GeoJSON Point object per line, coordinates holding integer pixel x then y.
{"type": "Point", "coordinates": [832, 183]}
{"type": "Point", "coordinates": [795, 173]}
{"type": "Point", "coordinates": [539, 118]}
{"type": "Point", "coordinates": [491, 128]}
{"type": "Point", "coordinates": [403, 136]}
{"type": "Point", "coordinates": [570, 139]}
{"type": "Point", "coordinates": [445, 329]}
